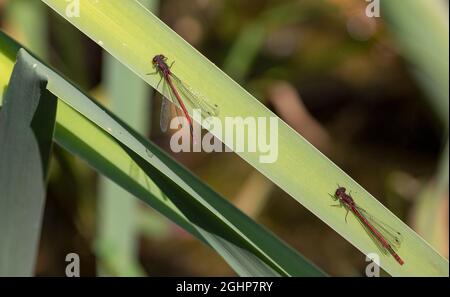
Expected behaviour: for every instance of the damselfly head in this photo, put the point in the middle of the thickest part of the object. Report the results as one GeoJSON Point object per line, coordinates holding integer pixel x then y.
{"type": "Point", "coordinates": [158, 59]}
{"type": "Point", "coordinates": [340, 192]}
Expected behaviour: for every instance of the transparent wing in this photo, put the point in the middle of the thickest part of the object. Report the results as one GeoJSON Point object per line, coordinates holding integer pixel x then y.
{"type": "Point", "coordinates": [369, 232]}
{"type": "Point", "coordinates": [392, 236]}
{"type": "Point", "coordinates": [169, 102]}
{"type": "Point", "coordinates": [165, 115]}
{"type": "Point", "coordinates": [194, 100]}
{"type": "Point", "coordinates": [373, 237]}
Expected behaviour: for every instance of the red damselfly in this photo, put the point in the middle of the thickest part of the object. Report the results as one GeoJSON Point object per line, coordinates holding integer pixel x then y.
{"type": "Point", "coordinates": [384, 236]}
{"type": "Point", "coordinates": [175, 92]}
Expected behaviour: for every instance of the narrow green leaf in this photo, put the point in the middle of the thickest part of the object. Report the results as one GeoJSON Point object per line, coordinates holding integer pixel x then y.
{"type": "Point", "coordinates": [117, 241]}
{"type": "Point", "coordinates": [422, 31]}
{"type": "Point", "coordinates": [117, 236]}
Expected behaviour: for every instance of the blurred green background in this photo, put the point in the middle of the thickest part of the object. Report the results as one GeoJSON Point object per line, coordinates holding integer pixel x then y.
{"type": "Point", "coordinates": [370, 93]}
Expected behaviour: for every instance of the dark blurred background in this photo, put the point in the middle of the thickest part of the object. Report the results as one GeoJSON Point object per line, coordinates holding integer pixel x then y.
{"type": "Point", "coordinates": [341, 79]}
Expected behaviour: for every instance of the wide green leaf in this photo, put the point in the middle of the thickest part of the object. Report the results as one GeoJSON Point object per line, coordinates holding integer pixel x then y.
{"type": "Point", "coordinates": [27, 121]}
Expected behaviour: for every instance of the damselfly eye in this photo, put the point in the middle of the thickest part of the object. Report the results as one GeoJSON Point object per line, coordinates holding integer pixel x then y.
{"type": "Point", "coordinates": [157, 59]}
{"type": "Point", "coordinates": [340, 191]}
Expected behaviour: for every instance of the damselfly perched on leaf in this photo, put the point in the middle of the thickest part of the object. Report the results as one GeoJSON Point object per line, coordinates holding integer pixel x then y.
{"type": "Point", "coordinates": [385, 237]}
{"type": "Point", "coordinates": [180, 94]}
